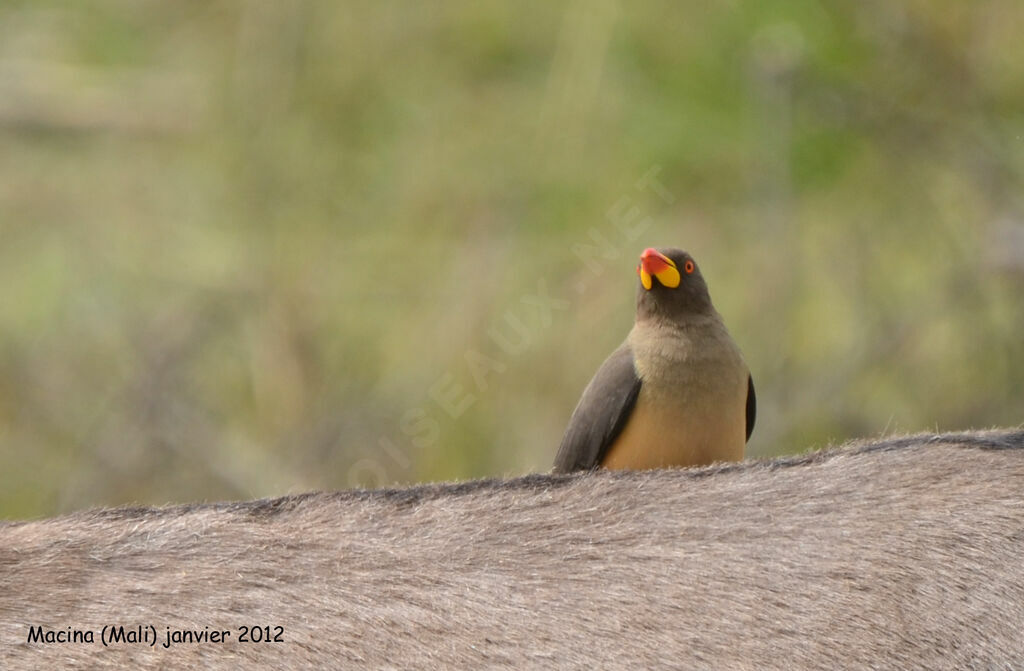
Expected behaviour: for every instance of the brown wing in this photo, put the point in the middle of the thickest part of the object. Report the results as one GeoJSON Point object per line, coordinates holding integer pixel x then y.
{"type": "Point", "coordinates": [751, 406]}
{"type": "Point", "coordinates": [601, 414]}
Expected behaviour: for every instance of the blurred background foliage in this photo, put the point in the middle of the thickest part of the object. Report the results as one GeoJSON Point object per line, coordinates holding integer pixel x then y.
{"type": "Point", "coordinates": [251, 248]}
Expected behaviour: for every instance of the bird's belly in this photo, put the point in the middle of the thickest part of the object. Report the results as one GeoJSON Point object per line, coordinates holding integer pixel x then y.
{"type": "Point", "coordinates": [695, 432]}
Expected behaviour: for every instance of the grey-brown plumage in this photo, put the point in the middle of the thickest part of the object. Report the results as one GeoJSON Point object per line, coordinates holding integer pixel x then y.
{"type": "Point", "coordinates": [677, 391]}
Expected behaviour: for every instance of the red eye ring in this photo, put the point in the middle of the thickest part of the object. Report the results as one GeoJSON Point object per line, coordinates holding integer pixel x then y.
{"type": "Point", "coordinates": [688, 267]}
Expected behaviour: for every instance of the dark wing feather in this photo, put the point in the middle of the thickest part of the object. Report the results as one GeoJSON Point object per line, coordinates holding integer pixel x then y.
{"type": "Point", "coordinates": [751, 405]}
{"type": "Point", "coordinates": [601, 414]}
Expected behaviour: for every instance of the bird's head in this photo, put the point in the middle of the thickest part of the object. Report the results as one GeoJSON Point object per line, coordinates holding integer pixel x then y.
{"type": "Point", "coordinates": [671, 286]}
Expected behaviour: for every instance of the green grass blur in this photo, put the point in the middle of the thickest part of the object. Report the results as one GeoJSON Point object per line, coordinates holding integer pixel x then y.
{"type": "Point", "coordinates": [256, 248]}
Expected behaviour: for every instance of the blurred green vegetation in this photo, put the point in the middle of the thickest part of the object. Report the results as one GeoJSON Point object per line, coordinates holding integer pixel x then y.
{"type": "Point", "coordinates": [246, 248]}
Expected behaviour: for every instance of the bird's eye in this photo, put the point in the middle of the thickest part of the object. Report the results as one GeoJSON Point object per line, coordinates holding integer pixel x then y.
{"type": "Point", "coordinates": [688, 267]}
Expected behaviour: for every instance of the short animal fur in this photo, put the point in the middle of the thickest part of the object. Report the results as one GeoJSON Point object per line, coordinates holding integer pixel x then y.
{"type": "Point", "coordinates": [905, 553]}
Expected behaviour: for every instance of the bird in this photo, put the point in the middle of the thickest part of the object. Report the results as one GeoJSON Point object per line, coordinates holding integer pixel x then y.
{"type": "Point", "coordinates": [676, 393]}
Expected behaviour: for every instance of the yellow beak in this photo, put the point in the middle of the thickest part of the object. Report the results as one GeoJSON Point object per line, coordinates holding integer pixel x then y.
{"type": "Point", "coordinates": [654, 263]}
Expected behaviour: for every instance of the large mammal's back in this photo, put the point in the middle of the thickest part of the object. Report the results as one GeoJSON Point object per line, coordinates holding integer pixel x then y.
{"type": "Point", "coordinates": [901, 554]}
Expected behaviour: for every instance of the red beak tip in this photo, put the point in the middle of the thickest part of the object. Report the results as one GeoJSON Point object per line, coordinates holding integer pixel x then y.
{"type": "Point", "coordinates": [653, 261]}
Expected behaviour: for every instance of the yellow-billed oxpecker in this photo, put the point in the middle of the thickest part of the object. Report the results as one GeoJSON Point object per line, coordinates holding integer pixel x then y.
{"type": "Point", "coordinates": [677, 391]}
